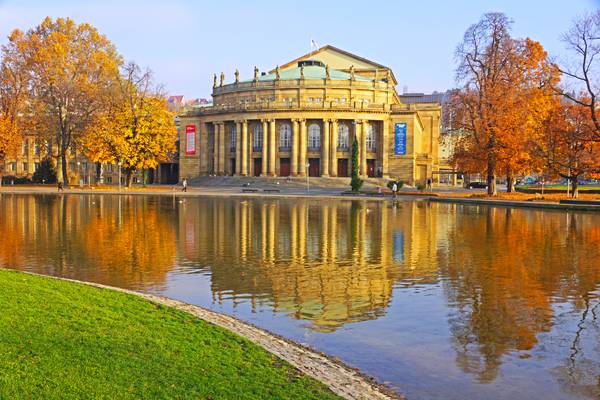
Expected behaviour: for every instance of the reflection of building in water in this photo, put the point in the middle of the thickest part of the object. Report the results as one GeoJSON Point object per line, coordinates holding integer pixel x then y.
{"type": "Point", "coordinates": [327, 262]}
{"type": "Point", "coordinates": [124, 241]}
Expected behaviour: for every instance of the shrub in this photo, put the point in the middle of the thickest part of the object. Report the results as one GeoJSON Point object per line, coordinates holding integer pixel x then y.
{"type": "Point", "coordinates": [14, 180]}
{"type": "Point", "coordinates": [356, 183]}
{"type": "Point", "coordinates": [45, 173]}
{"type": "Point", "coordinates": [420, 187]}
{"type": "Point", "coordinates": [399, 184]}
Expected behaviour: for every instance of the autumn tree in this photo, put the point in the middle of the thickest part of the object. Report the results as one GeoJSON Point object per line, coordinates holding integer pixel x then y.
{"type": "Point", "coordinates": [138, 130]}
{"type": "Point", "coordinates": [566, 144]}
{"type": "Point", "coordinates": [13, 95]}
{"type": "Point", "coordinates": [70, 71]}
{"type": "Point", "coordinates": [582, 72]}
{"type": "Point", "coordinates": [504, 93]}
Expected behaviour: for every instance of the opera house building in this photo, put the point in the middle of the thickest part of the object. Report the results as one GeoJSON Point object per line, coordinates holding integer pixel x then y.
{"type": "Point", "coordinates": [302, 118]}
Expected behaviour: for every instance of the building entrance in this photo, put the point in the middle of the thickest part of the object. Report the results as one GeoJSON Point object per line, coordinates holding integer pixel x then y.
{"type": "Point", "coordinates": [314, 168]}
{"type": "Point", "coordinates": [257, 166]}
{"type": "Point", "coordinates": [284, 167]}
{"type": "Point", "coordinates": [342, 167]}
{"type": "Point", "coordinates": [371, 168]}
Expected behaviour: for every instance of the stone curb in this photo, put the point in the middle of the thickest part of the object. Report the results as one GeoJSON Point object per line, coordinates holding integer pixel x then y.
{"type": "Point", "coordinates": [344, 381]}
{"type": "Point", "coordinates": [510, 203]}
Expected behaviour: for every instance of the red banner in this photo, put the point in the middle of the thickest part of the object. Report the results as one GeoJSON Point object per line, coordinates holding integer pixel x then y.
{"type": "Point", "coordinates": [190, 139]}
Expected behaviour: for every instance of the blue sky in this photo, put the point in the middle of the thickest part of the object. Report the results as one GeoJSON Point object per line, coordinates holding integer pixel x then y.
{"type": "Point", "coordinates": [185, 42]}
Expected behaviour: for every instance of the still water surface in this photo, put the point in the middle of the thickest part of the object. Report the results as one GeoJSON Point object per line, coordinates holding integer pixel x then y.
{"type": "Point", "coordinates": [439, 301]}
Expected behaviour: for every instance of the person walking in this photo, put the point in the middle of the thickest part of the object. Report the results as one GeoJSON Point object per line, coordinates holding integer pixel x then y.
{"type": "Point", "coordinates": [184, 183]}
{"type": "Point", "coordinates": [60, 186]}
{"type": "Point", "coordinates": [429, 183]}
{"type": "Point", "coordinates": [394, 190]}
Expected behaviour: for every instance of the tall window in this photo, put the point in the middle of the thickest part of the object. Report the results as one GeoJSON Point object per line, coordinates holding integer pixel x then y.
{"type": "Point", "coordinates": [257, 137]}
{"type": "Point", "coordinates": [285, 136]}
{"type": "Point", "coordinates": [232, 139]}
{"type": "Point", "coordinates": [371, 137]}
{"type": "Point", "coordinates": [343, 136]}
{"type": "Point", "coordinates": [314, 136]}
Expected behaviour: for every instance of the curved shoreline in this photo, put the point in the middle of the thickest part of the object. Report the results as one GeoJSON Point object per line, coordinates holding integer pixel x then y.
{"type": "Point", "coordinates": [344, 381]}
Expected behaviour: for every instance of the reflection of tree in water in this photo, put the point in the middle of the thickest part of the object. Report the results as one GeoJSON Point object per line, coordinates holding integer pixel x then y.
{"type": "Point", "coordinates": [502, 283]}
{"type": "Point", "coordinates": [580, 372]}
{"type": "Point", "coordinates": [123, 241]}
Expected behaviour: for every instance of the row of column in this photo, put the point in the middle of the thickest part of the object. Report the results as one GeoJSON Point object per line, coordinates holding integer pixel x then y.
{"type": "Point", "coordinates": [299, 148]}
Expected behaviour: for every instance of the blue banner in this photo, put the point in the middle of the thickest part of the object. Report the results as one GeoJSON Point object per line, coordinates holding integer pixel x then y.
{"type": "Point", "coordinates": [400, 139]}
{"type": "Point", "coordinates": [398, 246]}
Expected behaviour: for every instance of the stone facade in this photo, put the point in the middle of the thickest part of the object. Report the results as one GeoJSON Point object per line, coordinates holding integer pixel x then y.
{"type": "Point", "coordinates": [303, 117]}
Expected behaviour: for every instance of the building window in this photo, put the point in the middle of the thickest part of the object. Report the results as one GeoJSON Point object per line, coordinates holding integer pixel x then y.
{"type": "Point", "coordinates": [371, 137]}
{"type": "Point", "coordinates": [314, 136]}
{"type": "Point", "coordinates": [232, 139]}
{"type": "Point", "coordinates": [36, 165]}
{"type": "Point", "coordinates": [109, 179]}
{"type": "Point", "coordinates": [25, 147]}
{"type": "Point", "coordinates": [257, 137]}
{"type": "Point", "coordinates": [343, 137]}
{"type": "Point", "coordinates": [285, 136]}
{"type": "Point", "coordinates": [25, 167]}
{"type": "Point", "coordinates": [37, 149]}
{"type": "Point", "coordinates": [109, 168]}
{"type": "Point", "coordinates": [13, 166]}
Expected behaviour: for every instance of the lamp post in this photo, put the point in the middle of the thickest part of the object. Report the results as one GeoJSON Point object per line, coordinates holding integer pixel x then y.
{"type": "Point", "coordinates": [119, 175]}
{"type": "Point", "coordinates": [307, 176]}
{"type": "Point", "coordinates": [79, 174]}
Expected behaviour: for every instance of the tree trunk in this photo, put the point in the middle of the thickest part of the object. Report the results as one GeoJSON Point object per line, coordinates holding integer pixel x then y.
{"type": "Point", "coordinates": [129, 175]}
{"type": "Point", "coordinates": [65, 176]}
{"type": "Point", "coordinates": [510, 185]}
{"type": "Point", "coordinates": [491, 174]}
{"type": "Point", "coordinates": [1, 177]}
{"type": "Point", "coordinates": [510, 181]}
{"type": "Point", "coordinates": [575, 183]}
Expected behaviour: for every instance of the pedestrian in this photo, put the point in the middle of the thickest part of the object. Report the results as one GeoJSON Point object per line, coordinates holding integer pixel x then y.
{"type": "Point", "coordinates": [394, 190]}
{"type": "Point", "coordinates": [184, 183]}
{"type": "Point", "coordinates": [429, 183]}
{"type": "Point", "coordinates": [60, 186]}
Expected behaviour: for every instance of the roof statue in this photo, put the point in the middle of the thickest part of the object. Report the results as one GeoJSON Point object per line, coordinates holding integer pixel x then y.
{"type": "Point", "coordinates": [302, 72]}
{"type": "Point", "coordinates": [255, 73]}
{"type": "Point", "coordinates": [352, 72]}
{"type": "Point", "coordinates": [222, 78]}
{"type": "Point", "coordinates": [214, 80]}
{"type": "Point", "coordinates": [327, 76]}
{"type": "Point", "coordinates": [277, 76]}
{"type": "Point", "coordinates": [237, 76]}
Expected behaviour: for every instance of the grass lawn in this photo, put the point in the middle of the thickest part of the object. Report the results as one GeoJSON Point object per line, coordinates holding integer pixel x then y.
{"type": "Point", "coordinates": [562, 187]}
{"type": "Point", "coordinates": [61, 340]}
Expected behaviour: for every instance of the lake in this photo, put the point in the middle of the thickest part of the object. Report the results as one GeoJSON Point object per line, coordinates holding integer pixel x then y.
{"type": "Point", "coordinates": [437, 301]}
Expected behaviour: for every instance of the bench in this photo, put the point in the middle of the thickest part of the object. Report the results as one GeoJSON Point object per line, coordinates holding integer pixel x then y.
{"type": "Point", "coordinates": [249, 190]}
{"type": "Point", "coordinates": [271, 190]}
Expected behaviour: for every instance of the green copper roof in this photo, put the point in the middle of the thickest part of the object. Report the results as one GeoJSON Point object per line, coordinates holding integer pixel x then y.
{"type": "Point", "coordinates": [311, 72]}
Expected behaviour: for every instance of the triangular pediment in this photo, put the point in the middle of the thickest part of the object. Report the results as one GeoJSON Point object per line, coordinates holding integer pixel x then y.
{"type": "Point", "coordinates": [337, 59]}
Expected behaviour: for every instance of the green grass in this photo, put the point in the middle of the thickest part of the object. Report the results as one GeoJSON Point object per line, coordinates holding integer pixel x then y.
{"type": "Point", "coordinates": [62, 340]}
{"type": "Point", "coordinates": [562, 187]}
